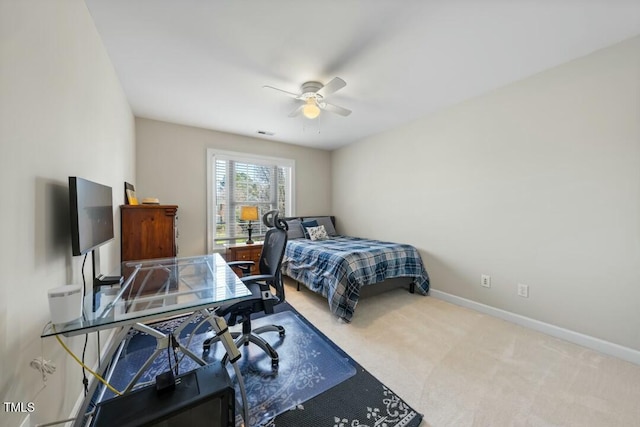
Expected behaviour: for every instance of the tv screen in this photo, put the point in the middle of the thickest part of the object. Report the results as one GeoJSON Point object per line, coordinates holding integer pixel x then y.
{"type": "Point", "coordinates": [91, 214]}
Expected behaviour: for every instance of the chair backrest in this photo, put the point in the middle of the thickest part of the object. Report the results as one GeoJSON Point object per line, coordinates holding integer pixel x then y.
{"type": "Point", "coordinates": [275, 243]}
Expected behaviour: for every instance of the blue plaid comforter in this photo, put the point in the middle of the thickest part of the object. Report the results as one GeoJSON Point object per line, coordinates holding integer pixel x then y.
{"type": "Point", "coordinates": [337, 268]}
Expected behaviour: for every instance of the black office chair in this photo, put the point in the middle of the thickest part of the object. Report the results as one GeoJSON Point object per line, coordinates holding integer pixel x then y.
{"type": "Point", "coordinates": [260, 285]}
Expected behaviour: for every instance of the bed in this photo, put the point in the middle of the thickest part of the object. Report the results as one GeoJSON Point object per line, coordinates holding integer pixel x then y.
{"type": "Point", "coordinates": [339, 266]}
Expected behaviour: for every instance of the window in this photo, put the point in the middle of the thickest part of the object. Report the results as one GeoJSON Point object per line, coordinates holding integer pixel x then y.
{"type": "Point", "coordinates": [238, 179]}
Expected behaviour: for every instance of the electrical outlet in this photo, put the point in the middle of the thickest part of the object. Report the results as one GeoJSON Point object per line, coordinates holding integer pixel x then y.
{"type": "Point", "coordinates": [485, 280]}
{"type": "Point", "coordinates": [523, 290]}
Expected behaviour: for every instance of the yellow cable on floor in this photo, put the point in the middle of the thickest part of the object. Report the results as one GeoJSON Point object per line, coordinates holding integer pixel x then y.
{"type": "Point", "coordinates": [102, 380]}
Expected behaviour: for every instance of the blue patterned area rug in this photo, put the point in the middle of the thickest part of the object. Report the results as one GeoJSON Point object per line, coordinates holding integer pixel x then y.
{"type": "Point", "coordinates": [308, 365]}
{"type": "Point", "coordinates": [359, 401]}
{"type": "Point", "coordinates": [317, 384]}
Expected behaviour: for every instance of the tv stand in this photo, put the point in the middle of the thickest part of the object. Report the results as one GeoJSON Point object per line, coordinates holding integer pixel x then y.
{"type": "Point", "coordinates": [100, 279]}
{"type": "Point", "coordinates": [103, 280]}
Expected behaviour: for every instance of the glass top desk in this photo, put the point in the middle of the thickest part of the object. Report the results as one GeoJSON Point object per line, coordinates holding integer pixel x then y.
{"type": "Point", "coordinates": [153, 290]}
{"type": "Point", "coordinates": [159, 288]}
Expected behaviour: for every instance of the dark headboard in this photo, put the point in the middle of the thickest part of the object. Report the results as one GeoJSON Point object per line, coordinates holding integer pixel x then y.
{"type": "Point", "coordinates": [292, 230]}
{"type": "Point", "coordinates": [302, 218]}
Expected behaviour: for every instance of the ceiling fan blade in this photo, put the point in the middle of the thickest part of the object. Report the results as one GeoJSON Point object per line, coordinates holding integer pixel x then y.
{"type": "Point", "coordinates": [336, 84]}
{"type": "Point", "coordinates": [291, 94]}
{"type": "Point", "coordinates": [336, 109]}
{"type": "Point", "coordinates": [296, 112]}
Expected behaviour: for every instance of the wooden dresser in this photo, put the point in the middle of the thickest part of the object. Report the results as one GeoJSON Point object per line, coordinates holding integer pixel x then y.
{"type": "Point", "coordinates": [245, 252]}
{"type": "Point", "coordinates": [148, 232]}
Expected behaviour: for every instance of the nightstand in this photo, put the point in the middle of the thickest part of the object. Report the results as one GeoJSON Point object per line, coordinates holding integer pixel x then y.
{"type": "Point", "coordinates": [244, 252]}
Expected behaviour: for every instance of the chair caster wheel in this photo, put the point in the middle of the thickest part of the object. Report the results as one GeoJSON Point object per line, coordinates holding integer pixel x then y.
{"type": "Point", "coordinates": [281, 333]}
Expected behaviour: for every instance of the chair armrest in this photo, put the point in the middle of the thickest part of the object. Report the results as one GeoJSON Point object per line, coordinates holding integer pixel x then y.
{"type": "Point", "coordinates": [262, 280]}
{"type": "Point", "coordinates": [244, 266]}
{"type": "Point", "coordinates": [257, 278]}
{"type": "Point", "coordinates": [240, 263]}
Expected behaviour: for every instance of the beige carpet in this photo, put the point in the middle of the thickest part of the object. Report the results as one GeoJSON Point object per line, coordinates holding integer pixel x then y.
{"type": "Point", "coordinates": [460, 367]}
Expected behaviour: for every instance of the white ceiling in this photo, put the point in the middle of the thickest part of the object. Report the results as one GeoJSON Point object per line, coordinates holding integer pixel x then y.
{"type": "Point", "coordinates": [203, 62]}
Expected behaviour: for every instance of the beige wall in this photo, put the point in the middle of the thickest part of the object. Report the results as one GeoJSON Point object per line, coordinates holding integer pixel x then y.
{"type": "Point", "coordinates": [62, 113]}
{"type": "Point", "coordinates": [535, 183]}
{"type": "Point", "coordinates": [171, 165]}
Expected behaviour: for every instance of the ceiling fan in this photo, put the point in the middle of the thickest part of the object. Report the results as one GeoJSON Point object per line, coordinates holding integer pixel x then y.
{"type": "Point", "coordinates": [313, 94]}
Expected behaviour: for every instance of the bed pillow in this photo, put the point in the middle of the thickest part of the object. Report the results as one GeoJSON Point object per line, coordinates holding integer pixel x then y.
{"type": "Point", "coordinates": [295, 229]}
{"type": "Point", "coordinates": [328, 224]}
{"type": "Point", "coordinates": [307, 224]}
{"type": "Point", "coordinates": [317, 233]}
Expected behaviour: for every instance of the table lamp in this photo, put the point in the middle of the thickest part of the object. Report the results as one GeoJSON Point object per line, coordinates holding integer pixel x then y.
{"type": "Point", "coordinates": [249, 213]}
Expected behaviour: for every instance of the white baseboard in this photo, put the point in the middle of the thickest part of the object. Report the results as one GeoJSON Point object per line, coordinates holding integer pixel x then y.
{"type": "Point", "coordinates": [609, 348]}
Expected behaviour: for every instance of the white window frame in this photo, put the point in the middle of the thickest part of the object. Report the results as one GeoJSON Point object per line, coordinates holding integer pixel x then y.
{"type": "Point", "coordinates": [214, 154]}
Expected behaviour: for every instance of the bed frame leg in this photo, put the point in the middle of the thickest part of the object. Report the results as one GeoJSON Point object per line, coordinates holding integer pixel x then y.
{"type": "Point", "coordinates": [412, 288]}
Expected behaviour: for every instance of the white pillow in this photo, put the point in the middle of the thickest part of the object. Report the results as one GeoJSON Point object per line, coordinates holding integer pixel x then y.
{"type": "Point", "coordinates": [326, 221]}
{"type": "Point", "coordinates": [317, 233]}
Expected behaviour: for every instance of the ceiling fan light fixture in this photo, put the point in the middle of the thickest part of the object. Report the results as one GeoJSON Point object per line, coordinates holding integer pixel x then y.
{"type": "Point", "coordinates": [313, 95]}
{"type": "Point", "coordinates": [310, 109]}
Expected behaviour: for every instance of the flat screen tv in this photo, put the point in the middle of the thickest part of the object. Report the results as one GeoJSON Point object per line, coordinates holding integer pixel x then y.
{"type": "Point", "coordinates": [91, 206]}
{"type": "Point", "coordinates": [91, 214]}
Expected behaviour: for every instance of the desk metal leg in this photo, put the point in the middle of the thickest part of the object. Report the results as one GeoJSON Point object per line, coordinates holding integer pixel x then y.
{"type": "Point", "coordinates": [162, 342]}
{"type": "Point", "coordinates": [221, 329]}
{"type": "Point", "coordinates": [102, 367]}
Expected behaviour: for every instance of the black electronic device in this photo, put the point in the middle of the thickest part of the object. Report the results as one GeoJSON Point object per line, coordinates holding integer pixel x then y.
{"type": "Point", "coordinates": [91, 212]}
{"type": "Point", "coordinates": [202, 397]}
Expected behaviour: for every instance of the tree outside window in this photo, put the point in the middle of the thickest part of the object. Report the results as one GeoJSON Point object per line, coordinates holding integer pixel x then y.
{"type": "Point", "coordinates": [264, 183]}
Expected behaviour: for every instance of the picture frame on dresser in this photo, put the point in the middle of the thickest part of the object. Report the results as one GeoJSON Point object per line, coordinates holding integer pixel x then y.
{"type": "Point", "coordinates": [130, 194]}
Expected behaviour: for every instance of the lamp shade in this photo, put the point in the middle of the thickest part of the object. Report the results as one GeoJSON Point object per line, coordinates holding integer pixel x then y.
{"type": "Point", "coordinates": [249, 213]}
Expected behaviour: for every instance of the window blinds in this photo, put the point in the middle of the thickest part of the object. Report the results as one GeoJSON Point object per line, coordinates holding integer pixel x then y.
{"type": "Point", "coordinates": [239, 183]}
